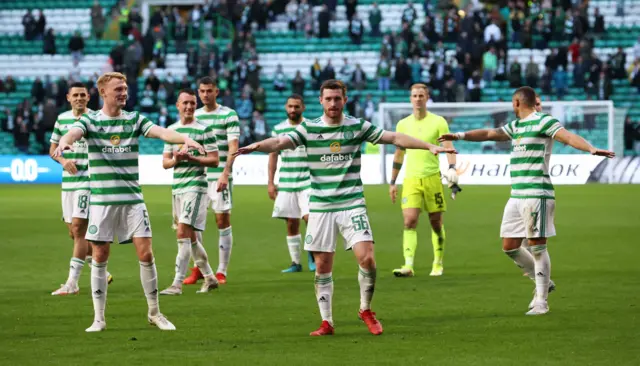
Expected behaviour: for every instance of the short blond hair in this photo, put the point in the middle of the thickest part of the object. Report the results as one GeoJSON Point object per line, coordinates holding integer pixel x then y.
{"type": "Point", "coordinates": [108, 76]}
{"type": "Point", "coordinates": [420, 86]}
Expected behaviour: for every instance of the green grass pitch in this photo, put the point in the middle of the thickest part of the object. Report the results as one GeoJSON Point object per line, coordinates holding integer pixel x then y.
{"type": "Point", "coordinates": [473, 315]}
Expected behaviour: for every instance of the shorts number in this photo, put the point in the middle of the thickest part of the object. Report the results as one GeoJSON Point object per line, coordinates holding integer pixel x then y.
{"type": "Point", "coordinates": [439, 199]}
{"type": "Point", "coordinates": [146, 218]}
{"type": "Point", "coordinates": [82, 202]}
{"type": "Point", "coordinates": [187, 207]}
{"type": "Point", "coordinates": [534, 221]}
{"type": "Point", "coordinates": [225, 195]}
{"type": "Point", "coordinates": [359, 222]}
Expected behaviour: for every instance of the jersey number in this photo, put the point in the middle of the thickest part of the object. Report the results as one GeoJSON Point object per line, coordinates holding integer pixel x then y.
{"type": "Point", "coordinates": [82, 202]}
{"type": "Point", "coordinates": [359, 223]}
{"type": "Point", "coordinates": [439, 199]}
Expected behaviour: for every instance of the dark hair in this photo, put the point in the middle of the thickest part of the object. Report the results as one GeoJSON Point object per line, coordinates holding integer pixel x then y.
{"type": "Point", "coordinates": [526, 95]}
{"type": "Point", "coordinates": [296, 97]}
{"type": "Point", "coordinates": [207, 80]}
{"type": "Point", "coordinates": [187, 91]}
{"type": "Point", "coordinates": [78, 84]}
{"type": "Point", "coordinates": [333, 84]}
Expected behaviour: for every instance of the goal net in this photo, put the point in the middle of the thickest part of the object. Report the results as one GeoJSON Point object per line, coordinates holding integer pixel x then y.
{"type": "Point", "coordinates": [597, 121]}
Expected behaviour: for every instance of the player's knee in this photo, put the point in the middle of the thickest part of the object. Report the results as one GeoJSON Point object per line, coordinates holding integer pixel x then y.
{"type": "Point", "coordinates": [184, 231]}
{"type": "Point", "coordinates": [410, 222]}
{"type": "Point", "coordinates": [145, 254]}
{"type": "Point", "coordinates": [293, 227]}
{"type": "Point", "coordinates": [77, 230]}
{"type": "Point", "coordinates": [222, 220]}
{"type": "Point", "coordinates": [367, 260]}
{"type": "Point", "coordinates": [100, 252]}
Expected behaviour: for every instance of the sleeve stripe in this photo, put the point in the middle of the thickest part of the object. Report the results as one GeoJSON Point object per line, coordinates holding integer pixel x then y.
{"type": "Point", "coordinates": [377, 137]}
{"type": "Point", "coordinates": [507, 131]}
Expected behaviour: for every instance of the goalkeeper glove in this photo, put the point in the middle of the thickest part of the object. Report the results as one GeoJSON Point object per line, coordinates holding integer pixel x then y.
{"type": "Point", "coordinates": [452, 176]}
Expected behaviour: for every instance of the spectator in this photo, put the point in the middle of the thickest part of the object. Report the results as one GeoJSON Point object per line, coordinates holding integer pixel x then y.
{"type": "Point", "coordinates": [97, 20]}
{"type": "Point", "coordinates": [375, 19]}
{"type": "Point", "coordinates": [346, 72]}
{"type": "Point", "coordinates": [49, 43]}
{"type": "Point", "coordinates": [298, 84]}
{"type": "Point", "coordinates": [492, 33]}
{"type": "Point", "coordinates": [532, 73]}
{"type": "Point", "coordinates": [574, 50]}
{"type": "Point", "coordinates": [244, 107]}
{"type": "Point", "coordinates": [579, 71]}
{"type": "Point", "coordinates": [634, 74]}
{"type": "Point", "coordinates": [259, 127]}
{"type": "Point", "coordinates": [631, 135]}
{"type": "Point", "coordinates": [356, 30]}
{"type": "Point", "coordinates": [260, 100]}
{"type": "Point", "coordinates": [29, 24]}
{"type": "Point", "coordinates": [475, 84]}
{"type": "Point", "coordinates": [279, 80]}
{"type": "Point", "coordinates": [354, 108]}
{"type": "Point", "coordinates": [515, 74]}
{"type": "Point", "coordinates": [383, 72]}
{"type": "Point", "coordinates": [489, 64]}
{"type": "Point", "coordinates": [403, 74]}
{"type": "Point", "coordinates": [8, 120]}
{"type": "Point", "coordinates": [41, 24]}
{"type": "Point", "coordinates": [37, 91]}
{"type": "Point", "coordinates": [598, 22]}
{"type": "Point", "coordinates": [76, 46]}
{"type": "Point", "coordinates": [409, 14]}
{"type": "Point", "coordinates": [180, 36]}
{"type": "Point", "coordinates": [369, 108]}
{"type": "Point", "coordinates": [162, 96]}
{"type": "Point", "coordinates": [195, 19]}
{"type": "Point", "coordinates": [153, 81]}
{"type": "Point", "coordinates": [618, 62]}
{"type": "Point", "coordinates": [350, 8]}
{"type": "Point", "coordinates": [75, 72]}
{"type": "Point", "coordinates": [164, 119]}
{"type": "Point", "coordinates": [323, 22]}
{"type": "Point", "coordinates": [315, 72]}
{"type": "Point", "coordinates": [603, 87]}
{"type": "Point", "coordinates": [416, 70]}
{"type": "Point", "coordinates": [561, 82]}
{"type": "Point", "coordinates": [253, 74]}
{"type": "Point", "coordinates": [328, 72]}
{"type": "Point", "coordinates": [636, 49]}
{"type": "Point", "coordinates": [228, 100]}
{"type": "Point", "coordinates": [94, 99]}
{"type": "Point", "coordinates": [359, 78]}
{"type": "Point", "coordinates": [148, 102]}
{"type": "Point", "coordinates": [291, 10]}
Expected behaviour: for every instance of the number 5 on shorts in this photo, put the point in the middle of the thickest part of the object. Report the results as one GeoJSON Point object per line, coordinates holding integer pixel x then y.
{"type": "Point", "coordinates": [359, 223]}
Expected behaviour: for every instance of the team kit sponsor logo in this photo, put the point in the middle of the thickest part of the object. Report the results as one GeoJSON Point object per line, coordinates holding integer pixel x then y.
{"type": "Point", "coordinates": [335, 155]}
{"type": "Point", "coordinates": [116, 149]}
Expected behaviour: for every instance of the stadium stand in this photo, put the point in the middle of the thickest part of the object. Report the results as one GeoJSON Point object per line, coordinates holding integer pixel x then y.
{"type": "Point", "coordinates": [257, 50]}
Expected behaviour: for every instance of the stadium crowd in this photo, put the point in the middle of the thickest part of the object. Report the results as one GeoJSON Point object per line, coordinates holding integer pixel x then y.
{"type": "Point", "coordinates": [480, 37]}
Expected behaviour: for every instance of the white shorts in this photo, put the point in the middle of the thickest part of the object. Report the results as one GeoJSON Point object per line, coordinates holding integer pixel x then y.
{"type": "Point", "coordinates": [528, 218]}
{"type": "Point", "coordinates": [323, 229]}
{"type": "Point", "coordinates": [190, 208]}
{"type": "Point", "coordinates": [220, 201]}
{"type": "Point", "coordinates": [122, 221]}
{"type": "Point", "coordinates": [291, 205]}
{"type": "Point", "coordinates": [75, 204]}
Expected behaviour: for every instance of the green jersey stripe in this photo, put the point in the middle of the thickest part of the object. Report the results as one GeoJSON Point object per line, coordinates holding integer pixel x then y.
{"type": "Point", "coordinates": [116, 190]}
{"type": "Point", "coordinates": [523, 186]}
{"type": "Point", "coordinates": [79, 156]}
{"type": "Point", "coordinates": [96, 163]}
{"type": "Point", "coordinates": [113, 176]}
{"type": "Point", "coordinates": [531, 160]}
{"type": "Point", "coordinates": [529, 173]}
{"type": "Point", "coordinates": [224, 126]}
{"type": "Point", "coordinates": [336, 198]}
{"type": "Point", "coordinates": [337, 185]}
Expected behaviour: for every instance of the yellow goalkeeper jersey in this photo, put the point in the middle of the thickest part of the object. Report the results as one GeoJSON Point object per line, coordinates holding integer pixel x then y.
{"type": "Point", "coordinates": [422, 163]}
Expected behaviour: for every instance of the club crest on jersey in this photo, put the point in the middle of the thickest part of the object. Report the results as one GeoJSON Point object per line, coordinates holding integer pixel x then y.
{"type": "Point", "coordinates": [348, 135]}
{"type": "Point", "coordinates": [335, 147]}
{"type": "Point", "coordinates": [127, 128]}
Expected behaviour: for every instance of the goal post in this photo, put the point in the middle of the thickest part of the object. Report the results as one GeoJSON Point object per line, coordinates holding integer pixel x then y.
{"type": "Point", "coordinates": [599, 122]}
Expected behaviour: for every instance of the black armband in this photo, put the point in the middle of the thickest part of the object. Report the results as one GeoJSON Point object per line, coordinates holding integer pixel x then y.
{"type": "Point", "coordinates": [397, 165]}
{"type": "Point", "coordinates": [452, 166]}
{"type": "Point", "coordinates": [393, 181]}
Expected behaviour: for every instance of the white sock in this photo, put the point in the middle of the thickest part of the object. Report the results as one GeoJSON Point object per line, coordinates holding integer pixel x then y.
{"type": "Point", "coordinates": [367, 281]}
{"type": "Point", "coordinates": [87, 260]}
{"type": "Point", "coordinates": [200, 258]}
{"type": "Point", "coordinates": [542, 270]}
{"type": "Point", "coordinates": [226, 242]}
{"type": "Point", "coordinates": [324, 294]}
{"type": "Point", "coordinates": [182, 261]}
{"type": "Point", "coordinates": [294, 247]}
{"type": "Point", "coordinates": [523, 259]}
{"type": "Point", "coordinates": [75, 269]}
{"type": "Point", "coordinates": [99, 289]}
{"type": "Point", "coordinates": [149, 279]}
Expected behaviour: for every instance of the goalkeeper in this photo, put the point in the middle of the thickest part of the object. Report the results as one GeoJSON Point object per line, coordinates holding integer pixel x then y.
{"type": "Point", "coordinates": [422, 186]}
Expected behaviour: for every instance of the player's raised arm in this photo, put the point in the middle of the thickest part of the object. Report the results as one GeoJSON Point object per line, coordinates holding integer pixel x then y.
{"type": "Point", "coordinates": [169, 160]}
{"type": "Point", "coordinates": [66, 142]}
{"type": "Point", "coordinates": [408, 142]}
{"type": "Point", "coordinates": [577, 142]}
{"type": "Point", "coordinates": [269, 145]}
{"type": "Point", "coordinates": [486, 134]}
{"type": "Point", "coordinates": [272, 190]}
{"type": "Point", "coordinates": [398, 159]}
{"type": "Point", "coordinates": [173, 137]}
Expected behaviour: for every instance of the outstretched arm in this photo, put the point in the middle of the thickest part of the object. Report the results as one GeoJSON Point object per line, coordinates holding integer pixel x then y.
{"type": "Point", "coordinates": [66, 142]}
{"type": "Point", "coordinates": [269, 145]}
{"type": "Point", "coordinates": [408, 142]}
{"type": "Point", "coordinates": [487, 134]}
{"type": "Point", "coordinates": [577, 142]}
{"type": "Point", "coordinates": [173, 137]}
{"type": "Point", "coordinates": [210, 160]}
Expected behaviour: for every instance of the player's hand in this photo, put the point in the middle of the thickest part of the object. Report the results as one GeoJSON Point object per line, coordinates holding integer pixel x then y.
{"type": "Point", "coordinates": [448, 137]}
{"type": "Point", "coordinates": [605, 153]}
{"type": "Point", "coordinates": [452, 176]}
{"type": "Point", "coordinates": [190, 144]}
{"type": "Point", "coordinates": [223, 182]}
{"type": "Point", "coordinates": [181, 155]}
{"type": "Point", "coordinates": [247, 149]}
{"type": "Point", "coordinates": [62, 147]}
{"type": "Point", "coordinates": [273, 191]}
{"type": "Point", "coordinates": [439, 149]}
{"type": "Point", "coordinates": [393, 192]}
{"type": "Point", "coordinates": [70, 166]}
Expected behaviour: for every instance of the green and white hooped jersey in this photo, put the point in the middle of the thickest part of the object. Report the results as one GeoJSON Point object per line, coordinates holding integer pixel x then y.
{"type": "Point", "coordinates": [226, 126]}
{"type": "Point", "coordinates": [80, 155]}
{"type": "Point", "coordinates": [333, 157]}
{"type": "Point", "coordinates": [113, 156]}
{"type": "Point", "coordinates": [190, 176]}
{"type": "Point", "coordinates": [294, 170]}
{"type": "Point", "coordinates": [531, 141]}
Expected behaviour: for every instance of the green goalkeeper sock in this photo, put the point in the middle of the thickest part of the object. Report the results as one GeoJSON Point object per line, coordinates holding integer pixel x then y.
{"type": "Point", "coordinates": [438, 245]}
{"type": "Point", "coordinates": [409, 245]}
